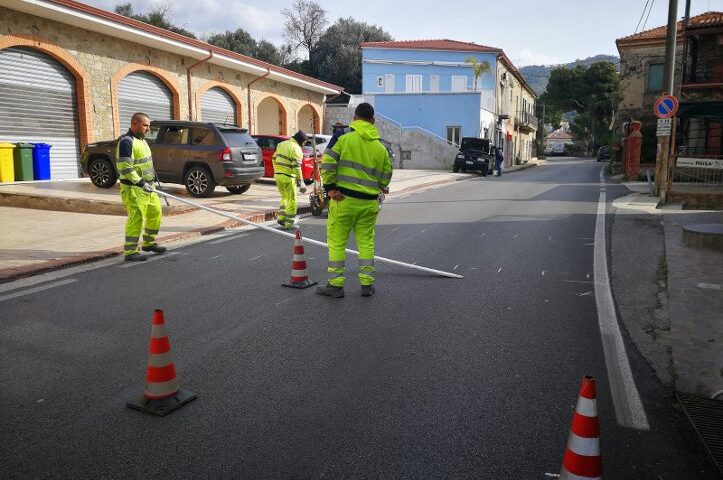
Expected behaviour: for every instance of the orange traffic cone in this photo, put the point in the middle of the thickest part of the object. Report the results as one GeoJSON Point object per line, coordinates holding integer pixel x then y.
{"type": "Point", "coordinates": [582, 460]}
{"type": "Point", "coordinates": [162, 394]}
{"type": "Point", "coordinates": [299, 277]}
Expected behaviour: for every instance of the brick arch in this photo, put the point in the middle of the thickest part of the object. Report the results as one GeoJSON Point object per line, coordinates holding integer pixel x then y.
{"type": "Point", "coordinates": [163, 75]}
{"type": "Point", "coordinates": [82, 78]}
{"type": "Point", "coordinates": [284, 127]}
{"type": "Point", "coordinates": [317, 117]}
{"type": "Point", "coordinates": [226, 88]}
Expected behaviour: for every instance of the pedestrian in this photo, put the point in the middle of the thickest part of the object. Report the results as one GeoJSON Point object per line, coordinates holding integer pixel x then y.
{"type": "Point", "coordinates": [287, 173]}
{"type": "Point", "coordinates": [355, 170]}
{"type": "Point", "coordinates": [135, 170]}
{"type": "Point", "coordinates": [499, 158]}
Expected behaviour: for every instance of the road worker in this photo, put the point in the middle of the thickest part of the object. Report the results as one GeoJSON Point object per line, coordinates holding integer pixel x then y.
{"type": "Point", "coordinates": [287, 173]}
{"type": "Point", "coordinates": [135, 170]}
{"type": "Point", "coordinates": [354, 170]}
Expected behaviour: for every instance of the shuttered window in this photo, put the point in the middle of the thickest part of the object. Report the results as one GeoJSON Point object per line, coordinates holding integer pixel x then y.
{"type": "Point", "coordinates": [143, 92]}
{"type": "Point", "coordinates": [217, 106]}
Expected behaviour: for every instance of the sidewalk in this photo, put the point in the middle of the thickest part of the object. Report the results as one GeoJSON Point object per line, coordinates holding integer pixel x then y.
{"type": "Point", "coordinates": [74, 222]}
{"type": "Point", "coordinates": [687, 322]}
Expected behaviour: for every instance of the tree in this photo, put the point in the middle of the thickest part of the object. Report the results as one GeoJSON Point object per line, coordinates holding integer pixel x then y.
{"type": "Point", "coordinates": [159, 16]}
{"type": "Point", "coordinates": [478, 68]}
{"type": "Point", "coordinates": [267, 52]}
{"type": "Point", "coordinates": [239, 41]}
{"type": "Point", "coordinates": [336, 58]}
{"type": "Point", "coordinates": [305, 23]}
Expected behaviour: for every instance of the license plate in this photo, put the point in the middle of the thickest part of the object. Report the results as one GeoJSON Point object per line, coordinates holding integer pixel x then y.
{"type": "Point", "coordinates": [469, 162]}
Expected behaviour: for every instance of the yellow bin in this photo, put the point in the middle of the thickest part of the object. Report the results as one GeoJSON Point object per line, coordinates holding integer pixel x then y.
{"type": "Point", "coordinates": [7, 168]}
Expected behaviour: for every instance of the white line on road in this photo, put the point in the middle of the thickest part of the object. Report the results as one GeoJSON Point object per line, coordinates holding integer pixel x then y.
{"type": "Point", "coordinates": [483, 235]}
{"type": "Point", "coordinates": [255, 258]}
{"type": "Point", "coordinates": [217, 256]}
{"type": "Point", "coordinates": [46, 277]}
{"type": "Point", "coordinates": [455, 267]}
{"type": "Point", "coordinates": [543, 273]}
{"type": "Point", "coordinates": [150, 259]}
{"type": "Point", "coordinates": [29, 291]}
{"type": "Point", "coordinates": [709, 286]}
{"type": "Point", "coordinates": [628, 406]}
{"type": "Point", "coordinates": [228, 238]}
{"type": "Point", "coordinates": [584, 294]}
{"type": "Point", "coordinates": [498, 271]}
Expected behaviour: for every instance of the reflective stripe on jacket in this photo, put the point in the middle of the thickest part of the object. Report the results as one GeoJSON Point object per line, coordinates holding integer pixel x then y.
{"type": "Point", "coordinates": [133, 160]}
{"type": "Point", "coordinates": [358, 161]}
{"type": "Point", "coordinates": [287, 158]}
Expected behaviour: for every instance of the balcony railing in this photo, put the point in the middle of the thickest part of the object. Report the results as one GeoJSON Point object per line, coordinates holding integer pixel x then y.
{"type": "Point", "coordinates": [526, 120]}
{"type": "Point", "coordinates": [705, 72]}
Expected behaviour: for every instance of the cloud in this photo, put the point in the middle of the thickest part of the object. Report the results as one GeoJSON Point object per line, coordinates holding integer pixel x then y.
{"type": "Point", "coordinates": [526, 56]}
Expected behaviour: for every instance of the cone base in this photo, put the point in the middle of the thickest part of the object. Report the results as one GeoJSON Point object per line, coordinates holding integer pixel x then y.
{"type": "Point", "coordinates": [304, 284]}
{"type": "Point", "coordinates": [162, 407]}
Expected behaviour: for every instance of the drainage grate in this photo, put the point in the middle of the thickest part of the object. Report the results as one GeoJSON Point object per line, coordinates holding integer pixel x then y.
{"type": "Point", "coordinates": [707, 418]}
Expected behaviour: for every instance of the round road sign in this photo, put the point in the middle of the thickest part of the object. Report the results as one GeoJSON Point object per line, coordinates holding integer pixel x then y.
{"type": "Point", "coordinates": [666, 106]}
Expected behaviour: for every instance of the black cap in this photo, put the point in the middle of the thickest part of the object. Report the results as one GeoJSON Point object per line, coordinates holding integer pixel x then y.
{"type": "Point", "coordinates": [300, 137]}
{"type": "Point", "coordinates": [365, 111]}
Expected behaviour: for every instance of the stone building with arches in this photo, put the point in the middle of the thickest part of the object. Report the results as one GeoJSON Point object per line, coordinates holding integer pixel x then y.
{"type": "Point", "coordinates": [72, 74]}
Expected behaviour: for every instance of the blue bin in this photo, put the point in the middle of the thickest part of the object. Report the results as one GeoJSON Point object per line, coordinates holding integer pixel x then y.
{"type": "Point", "coordinates": [41, 161]}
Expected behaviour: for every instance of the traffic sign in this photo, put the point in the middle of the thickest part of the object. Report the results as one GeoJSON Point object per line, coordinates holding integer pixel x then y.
{"type": "Point", "coordinates": [666, 106]}
{"type": "Point", "coordinates": [664, 127]}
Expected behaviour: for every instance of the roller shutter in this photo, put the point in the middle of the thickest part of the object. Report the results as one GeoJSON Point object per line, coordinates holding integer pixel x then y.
{"type": "Point", "coordinates": [38, 104]}
{"type": "Point", "coordinates": [143, 92]}
{"type": "Point", "coordinates": [217, 106]}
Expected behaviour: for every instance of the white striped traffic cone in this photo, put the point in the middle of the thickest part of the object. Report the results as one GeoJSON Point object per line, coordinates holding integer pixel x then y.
{"type": "Point", "coordinates": [582, 460]}
{"type": "Point", "coordinates": [161, 394]}
{"type": "Point", "coordinates": [299, 277]}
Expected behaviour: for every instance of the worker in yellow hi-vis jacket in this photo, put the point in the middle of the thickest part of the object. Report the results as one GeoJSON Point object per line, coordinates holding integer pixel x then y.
{"type": "Point", "coordinates": [354, 170]}
{"type": "Point", "coordinates": [135, 170]}
{"type": "Point", "coordinates": [287, 173]}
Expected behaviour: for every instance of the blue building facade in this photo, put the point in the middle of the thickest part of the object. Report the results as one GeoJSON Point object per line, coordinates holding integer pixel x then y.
{"type": "Point", "coordinates": [431, 88]}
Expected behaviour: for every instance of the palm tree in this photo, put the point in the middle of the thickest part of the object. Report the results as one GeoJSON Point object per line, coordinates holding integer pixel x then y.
{"type": "Point", "coordinates": [479, 68]}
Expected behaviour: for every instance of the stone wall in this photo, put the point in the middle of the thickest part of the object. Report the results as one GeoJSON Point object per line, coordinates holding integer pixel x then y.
{"type": "Point", "coordinates": [99, 62]}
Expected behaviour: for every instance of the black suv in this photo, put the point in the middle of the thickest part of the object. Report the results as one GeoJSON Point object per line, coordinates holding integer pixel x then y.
{"type": "Point", "coordinates": [474, 154]}
{"type": "Point", "coordinates": [195, 154]}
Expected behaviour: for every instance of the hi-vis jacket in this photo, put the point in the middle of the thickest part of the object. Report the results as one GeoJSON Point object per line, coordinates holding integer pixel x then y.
{"type": "Point", "coordinates": [134, 162]}
{"type": "Point", "coordinates": [358, 164]}
{"type": "Point", "coordinates": [287, 159]}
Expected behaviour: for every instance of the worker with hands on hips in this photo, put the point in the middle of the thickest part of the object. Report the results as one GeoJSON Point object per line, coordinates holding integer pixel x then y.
{"type": "Point", "coordinates": [354, 170]}
{"type": "Point", "coordinates": [135, 170]}
{"type": "Point", "coordinates": [287, 173]}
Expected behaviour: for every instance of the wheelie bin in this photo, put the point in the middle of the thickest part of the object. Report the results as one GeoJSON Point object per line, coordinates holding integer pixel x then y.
{"type": "Point", "coordinates": [41, 161]}
{"type": "Point", "coordinates": [7, 173]}
{"type": "Point", "coordinates": [23, 161]}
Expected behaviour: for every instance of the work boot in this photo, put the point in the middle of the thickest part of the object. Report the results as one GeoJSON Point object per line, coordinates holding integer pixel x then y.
{"type": "Point", "coordinates": [281, 222]}
{"type": "Point", "coordinates": [330, 291]}
{"type": "Point", "coordinates": [155, 248]}
{"type": "Point", "coordinates": [367, 290]}
{"type": "Point", "coordinates": [136, 257]}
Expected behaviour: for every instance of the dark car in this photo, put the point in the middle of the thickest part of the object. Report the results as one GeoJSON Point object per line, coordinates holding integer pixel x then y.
{"type": "Point", "coordinates": [603, 153]}
{"type": "Point", "coordinates": [194, 154]}
{"type": "Point", "coordinates": [474, 154]}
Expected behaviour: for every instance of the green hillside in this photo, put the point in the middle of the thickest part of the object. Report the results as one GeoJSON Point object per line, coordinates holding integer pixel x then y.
{"type": "Point", "coordinates": [538, 75]}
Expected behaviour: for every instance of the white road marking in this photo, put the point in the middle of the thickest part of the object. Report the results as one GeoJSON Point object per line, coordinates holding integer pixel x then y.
{"type": "Point", "coordinates": [483, 235]}
{"type": "Point", "coordinates": [709, 286]}
{"type": "Point", "coordinates": [228, 238]}
{"type": "Point", "coordinates": [589, 244]}
{"type": "Point", "coordinates": [579, 281]}
{"type": "Point", "coordinates": [255, 258]}
{"type": "Point", "coordinates": [423, 230]}
{"type": "Point", "coordinates": [30, 291]}
{"type": "Point", "coordinates": [455, 267]}
{"type": "Point", "coordinates": [584, 294]}
{"type": "Point", "coordinates": [47, 277]}
{"type": "Point", "coordinates": [150, 259]}
{"type": "Point", "coordinates": [628, 406]}
{"type": "Point", "coordinates": [394, 229]}
{"type": "Point", "coordinates": [550, 237]}
{"type": "Point", "coordinates": [498, 271]}
{"type": "Point", "coordinates": [284, 300]}
{"type": "Point", "coordinates": [473, 268]}
{"type": "Point", "coordinates": [217, 256]}
{"type": "Point", "coordinates": [543, 273]}
{"type": "Point", "coordinates": [587, 276]}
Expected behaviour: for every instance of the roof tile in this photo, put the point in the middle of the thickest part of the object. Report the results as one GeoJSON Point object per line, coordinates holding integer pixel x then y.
{"type": "Point", "coordinates": [704, 20]}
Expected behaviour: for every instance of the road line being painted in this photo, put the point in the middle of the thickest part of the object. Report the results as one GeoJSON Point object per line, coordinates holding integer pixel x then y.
{"type": "Point", "coordinates": [47, 277]}
{"type": "Point", "coordinates": [628, 406]}
{"type": "Point", "coordinates": [30, 291]}
{"type": "Point", "coordinates": [228, 238]}
{"type": "Point", "coordinates": [150, 259]}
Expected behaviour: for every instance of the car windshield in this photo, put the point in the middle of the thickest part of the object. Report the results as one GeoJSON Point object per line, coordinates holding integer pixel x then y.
{"type": "Point", "coordinates": [470, 143]}
{"type": "Point", "coordinates": [236, 137]}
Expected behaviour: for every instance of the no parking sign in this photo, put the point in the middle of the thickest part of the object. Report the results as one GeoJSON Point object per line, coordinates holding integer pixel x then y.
{"type": "Point", "coordinates": [666, 106]}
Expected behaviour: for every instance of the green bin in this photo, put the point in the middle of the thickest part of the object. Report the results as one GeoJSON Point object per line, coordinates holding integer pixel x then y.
{"type": "Point", "coordinates": [23, 161]}
{"type": "Point", "coordinates": [6, 162]}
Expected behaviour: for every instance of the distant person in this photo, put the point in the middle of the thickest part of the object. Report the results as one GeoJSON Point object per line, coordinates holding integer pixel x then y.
{"type": "Point", "coordinates": [499, 158]}
{"type": "Point", "coordinates": [354, 170]}
{"type": "Point", "coordinates": [287, 173]}
{"type": "Point", "coordinates": [135, 170]}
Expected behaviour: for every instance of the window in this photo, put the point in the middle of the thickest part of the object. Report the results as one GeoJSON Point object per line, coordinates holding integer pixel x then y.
{"type": "Point", "coordinates": [152, 134]}
{"type": "Point", "coordinates": [389, 83]}
{"type": "Point", "coordinates": [203, 136]}
{"type": "Point", "coordinates": [414, 83]}
{"type": "Point", "coordinates": [434, 83]}
{"type": "Point", "coordinates": [655, 77]}
{"type": "Point", "coordinates": [459, 83]}
{"type": "Point", "coordinates": [380, 82]}
{"type": "Point", "coordinates": [175, 135]}
{"type": "Point", "coordinates": [453, 134]}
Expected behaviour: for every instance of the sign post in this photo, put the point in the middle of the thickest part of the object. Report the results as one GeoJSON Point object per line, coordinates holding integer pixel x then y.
{"type": "Point", "coordinates": [665, 109]}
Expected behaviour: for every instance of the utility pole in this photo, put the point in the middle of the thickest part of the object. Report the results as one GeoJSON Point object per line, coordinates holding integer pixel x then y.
{"type": "Point", "coordinates": [663, 157]}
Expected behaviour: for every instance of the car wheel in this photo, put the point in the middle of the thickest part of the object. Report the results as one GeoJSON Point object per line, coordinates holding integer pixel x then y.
{"type": "Point", "coordinates": [199, 182]}
{"type": "Point", "coordinates": [455, 168]}
{"type": "Point", "coordinates": [102, 173]}
{"type": "Point", "coordinates": [315, 205]}
{"type": "Point", "coordinates": [239, 189]}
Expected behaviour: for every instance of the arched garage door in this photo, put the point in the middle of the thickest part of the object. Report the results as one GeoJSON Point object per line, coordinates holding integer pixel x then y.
{"type": "Point", "coordinates": [38, 104]}
{"type": "Point", "coordinates": [143, 92]}
{"type": "Point", "coordinates": [217, 106]}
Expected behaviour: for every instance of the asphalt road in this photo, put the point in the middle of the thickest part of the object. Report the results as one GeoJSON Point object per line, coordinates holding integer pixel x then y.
{"type": "Point", "coordinates": [431, 378]}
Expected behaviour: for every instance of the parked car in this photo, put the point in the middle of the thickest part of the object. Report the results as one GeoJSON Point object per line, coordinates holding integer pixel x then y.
{"type": "Point", "coordinates": [268, 144]}
{"type": "Point", "coordinates": [603, 153]}
{"type": "Point", "coordinates": [474, 154]}
{"type": "Point", "coordinates": [194, 154]}
{"type": "Point", "coordinates": [321, 143]}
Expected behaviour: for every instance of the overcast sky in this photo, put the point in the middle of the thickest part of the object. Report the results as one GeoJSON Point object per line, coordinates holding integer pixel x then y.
{"type": "Point", "coordinates": [531, 32]}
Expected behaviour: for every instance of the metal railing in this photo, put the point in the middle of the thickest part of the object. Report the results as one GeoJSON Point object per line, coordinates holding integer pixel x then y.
{"type": "Point", "coordinates": [699, 165]}
{"type": "Point", "coordinates": [526, 119]}
{"type": "Point", "coordinates": [705, 71]}
{"type": "Point", "coordinates": [423, 131]}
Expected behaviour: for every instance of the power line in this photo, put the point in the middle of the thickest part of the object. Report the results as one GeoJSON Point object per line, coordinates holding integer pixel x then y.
{"type": "Point", "coordinates": [642, 15]}
{"type": "Point", "coordinates": [651, 9]}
